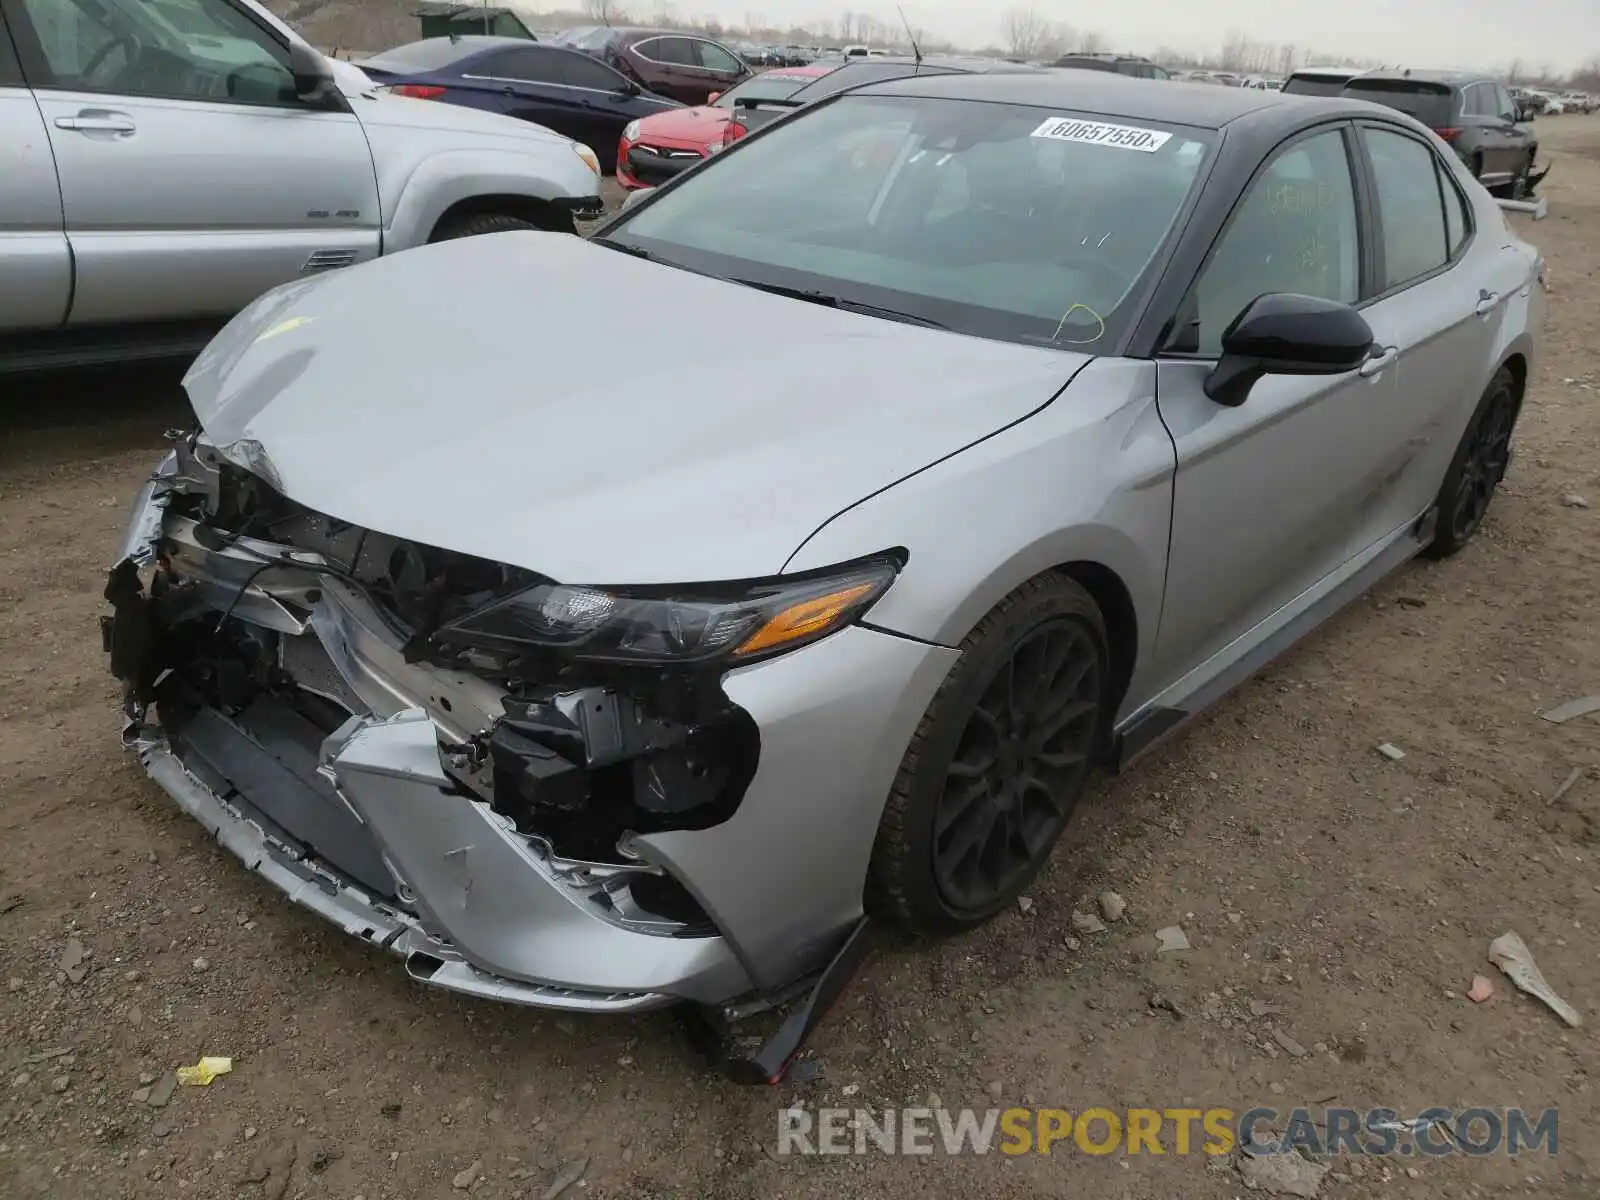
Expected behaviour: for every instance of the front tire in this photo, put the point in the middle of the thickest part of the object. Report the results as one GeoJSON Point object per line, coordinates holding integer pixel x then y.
{"type": "Point", "coordinates": [1479, 465]}
{"type": "Point", "coordinates": [997, 765]}
{"type": "Point", "coordinates": [474, 224]}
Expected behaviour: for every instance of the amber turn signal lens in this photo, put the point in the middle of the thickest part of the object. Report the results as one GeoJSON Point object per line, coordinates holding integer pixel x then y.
{"type": "Point", "coordinates": [804, 620]}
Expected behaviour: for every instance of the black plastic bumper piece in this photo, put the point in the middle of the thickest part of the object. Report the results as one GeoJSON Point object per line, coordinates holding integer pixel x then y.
{"type": "Point", "coordinates": [710, 1033]}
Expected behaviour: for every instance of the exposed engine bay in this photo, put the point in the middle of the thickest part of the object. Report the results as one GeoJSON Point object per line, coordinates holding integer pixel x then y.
{"type": "Point", "coordinates": [266, 629]}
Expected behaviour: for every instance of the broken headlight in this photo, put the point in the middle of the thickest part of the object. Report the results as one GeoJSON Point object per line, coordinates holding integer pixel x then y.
{"type": "Point", "coordinates": [742, 622]}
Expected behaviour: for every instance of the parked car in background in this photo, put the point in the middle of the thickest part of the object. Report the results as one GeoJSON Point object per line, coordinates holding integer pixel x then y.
{"type": "Point", "coordinates": [611, 689]}
{"type": "Point", "coordinates": [751, 114]}
{"type": "Point", "coordinates": [655, 149]}
{"type": "Point", "coordinates": [682, 66]}
{"type": "Point", "coordinates": [1320, 81]}
{"type": "Point", "coordinates": [1264, 83]}
{"type": "Point", "coordinates": [1529, 103]}
{"type": "Point", "coordinates": [1580, 102]}
{"type": "Point", "coordinates": [554, 86]}
{"type": "Point", "coordinates": [1554, 106]}
{"type": "Point", "coordinates": [154, 182]}
{"type": "Point", "coordinates": [1121, 64]}
{"type": "Point", "coordinates": [1476, 115]}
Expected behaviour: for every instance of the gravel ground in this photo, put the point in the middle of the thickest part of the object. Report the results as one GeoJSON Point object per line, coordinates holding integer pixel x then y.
{"type": "Point", "coordinates": [1352, 895]}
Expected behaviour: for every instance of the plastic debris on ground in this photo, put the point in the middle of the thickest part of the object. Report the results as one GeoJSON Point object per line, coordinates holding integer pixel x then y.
{"type": "Point", "coordinates": [1511, 954]}
{"type": "Point", "coordinates": [1171, 938]}
{"type": "Point", "coordinates": [204, 1071]}
{"type": "Point", "coordinates": [1391, 752]}
{"type": "Point", "coordinates": [1572, 709]}
{"type": "Point", "coordinates": [1281, 1174]}
{"type": "Point", "coordinates": [1482, 988]}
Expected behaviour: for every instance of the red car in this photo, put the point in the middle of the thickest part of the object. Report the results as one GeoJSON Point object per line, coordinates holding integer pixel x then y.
{"type": "Point", "coordinates": [656, 148]}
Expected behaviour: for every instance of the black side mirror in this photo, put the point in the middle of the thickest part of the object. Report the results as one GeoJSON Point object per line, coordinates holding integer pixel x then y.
{"type": "Point", "coordinates": [1285, 334]}
{"type": "Point", "coordinates": [629, 88]}
{"type": "Point", "coordinates": [313, 77]}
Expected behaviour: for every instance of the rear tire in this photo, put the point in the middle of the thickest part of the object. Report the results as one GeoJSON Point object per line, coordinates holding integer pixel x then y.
{"type": "Point", "coordinates": [1476, 470]}
{"type": "Point", "coordinates": [997, 764]}
{"type": "Point", "coordinates": [474, 224]}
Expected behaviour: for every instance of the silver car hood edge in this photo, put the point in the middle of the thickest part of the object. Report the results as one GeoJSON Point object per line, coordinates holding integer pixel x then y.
{"type": "Point", "coordinates": [541, 401]}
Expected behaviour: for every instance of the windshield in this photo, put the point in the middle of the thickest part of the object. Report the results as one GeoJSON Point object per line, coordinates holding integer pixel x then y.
{"type": "Point", "coordinates": [1004, 221]}
{"type": "Point", "coordinates": [771, 85]}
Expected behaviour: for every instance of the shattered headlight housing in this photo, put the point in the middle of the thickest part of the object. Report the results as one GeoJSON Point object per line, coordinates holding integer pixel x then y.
{"type": "Point", "coordinates": [695, 624]}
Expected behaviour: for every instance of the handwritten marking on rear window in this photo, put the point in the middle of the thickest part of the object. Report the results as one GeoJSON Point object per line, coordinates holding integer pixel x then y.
{"type": "Point", "coordinates": [1098, 133]}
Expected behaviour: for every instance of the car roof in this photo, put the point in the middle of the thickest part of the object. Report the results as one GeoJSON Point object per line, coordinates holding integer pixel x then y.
{"type": "Point", "coordinates": [1104, 56]}
{"type": "Point", "coordinates": [809, 70]}
{"type": "Point", "coordinates": [1177, 103]}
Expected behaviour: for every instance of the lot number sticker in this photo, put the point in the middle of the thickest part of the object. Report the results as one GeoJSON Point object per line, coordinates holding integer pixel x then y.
{"type": "Point", "coordinates": [1098, 133]}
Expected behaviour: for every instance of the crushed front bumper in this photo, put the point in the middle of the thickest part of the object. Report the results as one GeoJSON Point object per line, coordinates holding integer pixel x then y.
{"type": "Point", "coordinates": [364, 825]}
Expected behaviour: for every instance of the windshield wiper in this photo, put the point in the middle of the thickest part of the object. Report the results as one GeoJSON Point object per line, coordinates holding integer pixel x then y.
{"type": "Point", "coordinates": [812, 296]}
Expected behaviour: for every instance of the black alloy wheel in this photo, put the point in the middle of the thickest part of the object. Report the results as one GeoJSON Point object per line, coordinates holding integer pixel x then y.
{"type": "Point", "coordinates": [1014, 780]}
{"type": "Point", "coordinates": [1483, 466]}
{"type": "Point", "coordinates": [1480, 463]}
{"type": "Point", "coordinates": [997, 764]}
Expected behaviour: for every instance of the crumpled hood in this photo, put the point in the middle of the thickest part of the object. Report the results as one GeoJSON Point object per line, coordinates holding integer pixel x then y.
{"type": "Point", "coordinates": [697, 126]}
{"type": "Point", "coordinates": [541, 401]}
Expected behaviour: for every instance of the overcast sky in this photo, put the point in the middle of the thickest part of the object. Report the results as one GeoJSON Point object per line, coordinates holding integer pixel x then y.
{"type": "Point", "coordinates": [1479, 33]}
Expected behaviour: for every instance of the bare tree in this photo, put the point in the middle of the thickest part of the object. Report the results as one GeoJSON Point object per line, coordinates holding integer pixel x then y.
{"type": "Point", "coordinates": [1288, 59]}
{"type": "Point", "coordinates": [1514, 71]}
{"type": "Point", "coordinates": [1024, 30]}
{"type": "Point", "coordinates": [1059, 40]}
{"type": "Point", "coordinates": [1091, 42]}
{"type": "Point", "coordinates": [604, 12]}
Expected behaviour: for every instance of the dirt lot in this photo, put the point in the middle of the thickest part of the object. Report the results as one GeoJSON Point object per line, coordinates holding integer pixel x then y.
{"type": "Point", "coordinates": [1353, 894]}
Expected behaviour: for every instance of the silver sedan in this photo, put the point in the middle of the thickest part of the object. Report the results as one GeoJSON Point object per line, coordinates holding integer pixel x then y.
{"type": "Point", "coordinates": [606, 624]}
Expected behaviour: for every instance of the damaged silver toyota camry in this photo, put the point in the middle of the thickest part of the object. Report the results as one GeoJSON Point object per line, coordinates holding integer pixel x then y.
{"type": "Point", "coordinates": [618, 623]}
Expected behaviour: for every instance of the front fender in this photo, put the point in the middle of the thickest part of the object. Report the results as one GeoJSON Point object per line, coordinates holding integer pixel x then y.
{"type": "Point", "coordinates": [1086, 479]}
{"type": "Point", "coordinates": [443, 179]}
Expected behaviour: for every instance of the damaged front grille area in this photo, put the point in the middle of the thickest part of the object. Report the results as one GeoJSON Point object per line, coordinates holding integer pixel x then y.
{"type": "Point", "coordinates": [248, 622]}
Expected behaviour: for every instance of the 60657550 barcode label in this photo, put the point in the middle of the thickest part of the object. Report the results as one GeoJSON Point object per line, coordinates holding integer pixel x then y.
{"type": "Point", "coordinates": [1099, 133]}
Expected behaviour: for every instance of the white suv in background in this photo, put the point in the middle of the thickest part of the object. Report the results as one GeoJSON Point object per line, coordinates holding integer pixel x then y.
{"type": "Point", "coordinates": [164, 162]}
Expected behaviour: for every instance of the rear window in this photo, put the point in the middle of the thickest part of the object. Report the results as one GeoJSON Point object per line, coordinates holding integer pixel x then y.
{"type": "Point", "coordinates": [427, 55]}
{"type": "Point", "coordinates": [1430, 103]}
{"type": "Point", "coordinates": [1315, 85]}
{"type": "Point", "coordinates": [858, 72]}
{"type": "Point", "coordinates": [771, 85]}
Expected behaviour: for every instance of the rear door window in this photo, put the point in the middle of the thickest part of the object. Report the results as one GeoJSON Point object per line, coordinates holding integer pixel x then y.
{"type": "Point", "coordinates": [675, 51]}
{"type": "Point", "coordinates": [1411, 210]}
{"type": "Point", "coordinates": [1428, 102]}
{"type": "Point", "coordinates": [10, 69]}
{"type": "Point", "coordinates": [530, 65]}
{"type": "Point", "coordinates": [579, 70]}
{"type": "Point", "coordinates": [714, 58]}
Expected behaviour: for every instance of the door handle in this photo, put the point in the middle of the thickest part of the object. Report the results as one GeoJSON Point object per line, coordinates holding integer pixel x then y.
{"type": "Point", "coordinates": [97, 123]}
{"type": "Point", "coordinates": [1486, 302]}
{"type": "Point", "coordinates": [1380, 358]}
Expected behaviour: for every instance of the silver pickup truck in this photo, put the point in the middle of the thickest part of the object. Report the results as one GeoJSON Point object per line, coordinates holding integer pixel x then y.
{"type": "Point", "coordinates": [164, 162]}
